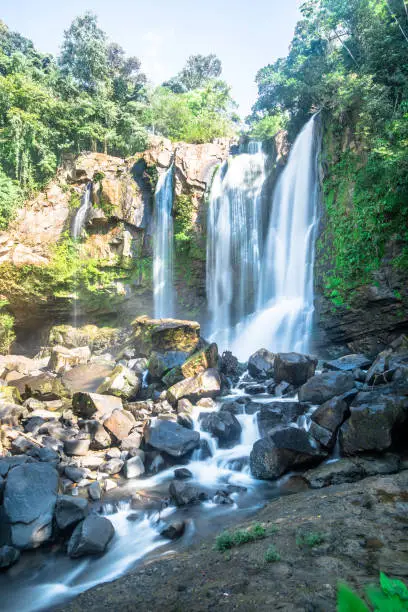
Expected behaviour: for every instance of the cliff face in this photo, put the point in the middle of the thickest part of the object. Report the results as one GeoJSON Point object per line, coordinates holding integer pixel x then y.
{"type": "Point", "coordinates": [41, 268]}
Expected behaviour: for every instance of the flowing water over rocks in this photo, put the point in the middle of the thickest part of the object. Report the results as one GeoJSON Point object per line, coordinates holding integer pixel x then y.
{"type": "Point", "coordinates": [163, 246]}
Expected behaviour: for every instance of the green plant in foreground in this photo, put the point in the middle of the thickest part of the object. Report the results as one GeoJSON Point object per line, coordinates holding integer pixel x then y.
{"type": "Point", "coordinates": [272, 554]}
{"type": "Point", "coordinates": [228, 539]}
{"type": "Point", "coordinates": [311, 539]}
{"type": "Point", "coordinates": [392, 596]}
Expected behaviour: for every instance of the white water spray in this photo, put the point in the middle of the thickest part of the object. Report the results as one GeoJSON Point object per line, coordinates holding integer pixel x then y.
{"type": "Point", "coordinates": [77, 227]}
{"type": "Point", "coordinates": [163, 246]}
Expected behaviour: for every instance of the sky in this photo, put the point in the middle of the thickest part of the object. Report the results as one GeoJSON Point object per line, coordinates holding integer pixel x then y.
{"type": "Point", "coordinates": [245, 35]}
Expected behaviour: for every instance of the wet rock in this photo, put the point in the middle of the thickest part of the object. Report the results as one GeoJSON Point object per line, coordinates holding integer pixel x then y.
{"type": "Point", "coordinates": [77, 446]}
{"type": "Point", "coordinates": [122, 382]}
{"type": "Point", "coordinates": [63, 359]}
{"type": "Point", "coordinates": [283, 389]}
{"type": "Point", "coordinates": [373, 423]}
{"type": "Point", "coordinates": [325, 437]}
{"type": "Point", "coordinates": [30, 495]}
{"type": "Point", "coordinates": [174, 530]}
{"type": "Point", "coordinates": [350, 470]}
{"type": "Point", "coordinates": [273, 414]}
{"type": "Point", "coordinates": [95, 405]}
{"type": "Point", "coordinates": [161, 363]}
{"type": "Point", "coordinates": [348, 363]}
{"type": "Point", "coordinates": [131, 442]}
{"type": "Point", "coordinates": [200, 361]}
{"type": "Point", "coordinates": [182, 474]}
{"type": "Point", "coordinates": [69, 511]}
{"type": "Point", "coordinates": [206, 403]}
{"type": "Point", "coordinates": [222, 498]}
{"type": "Point", "coordinates": [206, 384]}
{"type": "Point", "coordinates": [222, 425]}
{"type": "Point", "coordinates": [323, 387]}
{"type": "Point", "coordinates": [75, 473]}
{"type": "Point", "coordinates": [183, 494]}
{"type": "Point", "coordinates": [119, 424]}
{"type": "Point", "coordinates": [204, 451]}
{"type": "Point", "coordinates": [95, 491]}
{"type": "Point", "coordinates": [8, 556]}
{"type": "Point", "coordinates": [260, 364]}
{"type": "Point", "coordinates": [233, 408]}
{"type": "Point", "coordinates": [185, 406]}
{"type": "Point", "coordinates": [91, 537]}
{"type": "Point", "coordinates": [171, 438]}
{"type": "Point", "coordinates": [230, 366]}
{"type": "Point", "coordinates": [164, 335]}
{"type": "Point", "coordinates": [185, 420]}
{"type": "Point", "coordinates": [254, 389]}
{"type": "Point", "coordinates": [331, 414]}
{"type": "Point", "coordinates": [293, 368]}
{"type": "Point", "coordinates": [282, 450]}
{"type": "Point", "coordinates": [111, 467]}
{"type": "Point", "coordinates": [133, 468]}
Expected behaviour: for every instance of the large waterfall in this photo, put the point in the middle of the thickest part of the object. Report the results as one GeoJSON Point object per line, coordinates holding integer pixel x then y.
{"type": "Point", "coordinates": [234, 242]}
{"type": "Point", "coordinates": [163, 246]}
{"type": "Point", "coordinates": [281, 317]}
{"type": "Point", "coordinates": [80, 216]}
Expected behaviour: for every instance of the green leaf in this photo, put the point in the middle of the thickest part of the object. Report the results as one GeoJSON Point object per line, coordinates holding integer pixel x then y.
{"type": "Point", "coordinates": [347, 601]}
{"type": "Point", "coordinates": [393, 587]}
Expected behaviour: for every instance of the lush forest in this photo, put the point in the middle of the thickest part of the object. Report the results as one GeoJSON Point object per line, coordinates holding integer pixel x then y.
{"type": "Point", "coordinates": [94, 97]}
{"type": "Point", "coordinates": [349, 60]}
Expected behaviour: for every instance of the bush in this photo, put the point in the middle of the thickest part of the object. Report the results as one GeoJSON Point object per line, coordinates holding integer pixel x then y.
{"type": "Point", "coordinates": [310, 540]}
{"type": "Point", "coordinates": [272, 554]}
{"type": "Point", "coordinates": [227, 539]}
{"type": "Point", "coordinates": [10, 199]}
{"type": "Point", "coordinates": [7, 335]}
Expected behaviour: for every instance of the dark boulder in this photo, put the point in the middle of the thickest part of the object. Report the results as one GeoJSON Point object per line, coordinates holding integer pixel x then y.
{"type": "Point", "coordinates": [229, 365]}
{"type": "Point", "coordinates": [69, 511]}
{"type": "Point", "coordinates": [182, 474]}
{"type": "Point", "coordinates": [8, 556]}
{"type": "Point", "coordinates": [171, 438]}
{"type": "Point", "coordinates": [183, 494]}
{"type": "Point", "coordinates": [161, 363]}
{"type": "Point", "coordinates": [323, 387]}
{"type": "Point", "coordinates": [293, 368]}
{"type": "Point", "coordinates": [260, 364]}
{"type": "Point", "coordinates": [276, 413]}
{"type": "Point", "coordinates": [175, 530]}
{"type": "Point", "coordinates": [331, 414]}
{"type": "Point", "coordinates": [91, 536]}
{"type": "Point", "coordinates": [350, 470]}
{"type": "Point", "coordinates": [222, 425]}
{"type": "Point", "coordinates": [349, 363]}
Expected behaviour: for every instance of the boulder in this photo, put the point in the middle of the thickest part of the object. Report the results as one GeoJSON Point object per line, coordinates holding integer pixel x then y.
{"type": "Point", "coordinates": [95, 405]}
{"type": "Point", "coordinates": [69, 511]}
{"type": "Point", "coordinates": [182, 474]}
{"type": "Point", "coordinates": [100, 438]}
{"type": "Point", "coordinates": [171, 438]}
{"type": "Point", "coordinates": [183, 494]}
{"type": "Point", "coordinates": [91, 537]}
{"type": "Point", "coordinates": [112, 467]}
{"type": "Point", "coordinates": [77, 447]}
{"type": "Point", "coordinates": [200, 361]}
{"type": "Point", "coordinates": [385, 366]}
{"type": "Point", "coordinates": [229, 365]}
{"type": "Point", "coordinates": [9, 394]}
{"type": "Point", "coordinates": [164, 335]}
{"type": "Point", "coordinates": [260, 364]}
{"type": "Point", "coordinates": [331, 414]}
{"type": "Point", "coordinates": [350, 470]}
{"type": "Point", "coordinates": [323, 436]}
{"type": "Point", "coordinates": [11, 414]}
{"type": "Point", "coordinates": [184, 406]}
{"type": "Point", "coordinates": [63, 359]}
{"type": "Point", "coordinates": [205, 384]}
{"type": "Point", "coordinates": [98, 339]}
{"type": "Point", "coordinates": [119, 424]}
{"type": "Point", "coordinates": [374, 422]}
{"type": "Point", "coordinates": [44, 386]}
{"type": "Point", "coordinates": [222, 425]}
{"type": "Point", "coordinates": [277, 413]}
{"type": "Point", "coordinates": [161, 363]}
{"type": "Point", "coordinates": [293, 368]}
{"type": "Point", "coordinates": [8, 556]}
{"type": "Point", "coordinates": [30, 496]}
{"type": "Point", "coordinates": [133, 468]}
{"type": "Point", "coordinates": [131, 442]}
{"type": "Point", "coordinates": [122, 382]}
{"type": "Point", "coordinates": [95, 491]}
{"type": "Point", "coordinates": [174, 530]}
{"type": "Point", "coordinates": [283, 450]}
{"type": "Point", "coordinates": [323, 387]}
{"type": "Point", "coordinates": [348, 363]}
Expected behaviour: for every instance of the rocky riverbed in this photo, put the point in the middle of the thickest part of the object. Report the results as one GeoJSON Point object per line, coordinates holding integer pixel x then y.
{"type": "Point", "coordinates": [113, 455]}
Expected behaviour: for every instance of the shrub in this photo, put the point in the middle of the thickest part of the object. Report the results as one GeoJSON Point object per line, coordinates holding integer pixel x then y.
{"type": "Point", "coordinates": [227, 540]}
{"type": "Point", "coordinates": [392, 596]}
{"type": "Point", "coordinates": [272, 554]}
{"type": "Point", "coordinates": [310, 540]}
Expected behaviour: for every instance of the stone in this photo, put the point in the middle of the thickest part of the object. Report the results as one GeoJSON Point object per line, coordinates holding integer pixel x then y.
{"type": "Point", "coordinates": [282, 450]}
{"type": "Point", "coordinates": [131, 442]}
{"type": "Point", "coordinates": [164, 335]}
{"type": "Point", "coordinates": [74, 473]}
{"type": "Point", "coordinates": [69, 511]}
{"type": "Point", "coordinates": [282, 390]}
{"type": "Point", "coordinates": [95, 491]}
{"type": "Point", "coordinates": [182, 474]}
{"type": "Point", "coordinates": [30, 495]}
{"type": "Point", "coordinates": [206, 384]}
{"type": "Point", "coordinates": [174, 530]}
{"type": "Point", "coordinates": [119, 424]}
{"type": "Point", "coordinates": [260, 364]}
{"type": "Point", "coordinates": [331, 414]}
{"type": "Point", "coordinates": [293, 368]}
{"type": "Point", "coordinates": [172, 377]}
{"type": "Point", "coordinates": [222, 425]}
{"type": "Point", "coordinates": [325, 437]}
{"type": "Point", "coordinates": [200, 361]}
{"type": "Point", "coordinates": [9, 394]}
{"type": "Point", "coordinates": [8, 556]}
{"type": "Point", "coordinates": [183, 494]}
{"type": "Point", "coordinates": [8, 463]}
{"type": "Point", "coordinates": [11, 414]}
{"type": "Point", "coordinates": [63, 359]}
{"type": "Point", "coordinates": [349, 363]}
{"type": "Point", "coordinates": [98, 339]}
{"type": "Point", "coordinates": [207, 403]}
{"type": "Point", "coordinates": [77, 446]}
{"type": "Point", "coordinates": [229, 365]}
{"type": "Point", "coordinates": [323, 387]}
{"type": "Point", "coordinates": [185, 406]}
{"type": "Point", "coordinates": [44, 386]}
{"type": "Point", "coordinates": [100, 438]}
{"type": "Point", "coordinates": [350, 470]}
{"type": "Point", "coordinates": [91, 536]}
{"type": "Point", "coordinates": [161, 363]}
{"type": "Point", "coordinates": [171, 438]}
{"type": "Point", "coordinates": [112, 466]}
{"type": "Point", "coordinates": [122, 382]}
{"type": "Point", "coordinates": [133, 468]}
{"type": "Point", "coordinates": [383, 368]}
{"type": "Point", "coordinates": [276, 413]}
{"type": "Point", "coordinates": [373, 423]}
{"type": "Point", "coordinates": [95, 405]}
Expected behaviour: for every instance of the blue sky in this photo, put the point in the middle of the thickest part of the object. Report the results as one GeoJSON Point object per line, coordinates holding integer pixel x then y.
{"type": "Point", "coordinates": [163, 33]}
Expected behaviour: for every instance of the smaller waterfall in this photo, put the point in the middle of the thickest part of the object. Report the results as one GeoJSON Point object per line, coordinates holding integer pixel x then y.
{"type": "Point", "coordinates": [80, 217]}
{"type": "Point", "coordinates": [163, 247]}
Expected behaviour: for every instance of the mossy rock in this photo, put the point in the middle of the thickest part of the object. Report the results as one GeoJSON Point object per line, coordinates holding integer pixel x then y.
{"type": "Point", "coordinates": [163, 335]}
{"type": "Point", "coordinates": [200, 361]}
{"type": "Point", "coordinates": [9, 394]}
{"type": "Point", "coordinates": [99, 339]}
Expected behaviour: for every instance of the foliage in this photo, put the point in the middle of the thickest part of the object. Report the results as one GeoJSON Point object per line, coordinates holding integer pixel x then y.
{"type": "Point", "coordinates": [310, 539]}
{"type": "Point", "coordinates": [392, 596]}
{"type": "Point", "coordinates": [272, 554]}
{"type": "Point", "coordinates": [7, 335]}
{"type": "Point", "coordinates": [231, 539]}
{"type": "Point", "coordinates": [10, 199]}
{"type": "Point", "coordinates": [268, 126]}
{"type": "Point", "coordinates": [199, 69]}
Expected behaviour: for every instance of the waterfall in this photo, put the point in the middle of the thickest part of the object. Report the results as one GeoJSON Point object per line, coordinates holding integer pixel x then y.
{"type": "Point", "coordinates": [80, 217]}
{"type": "Point", "coordinates": [234, 242]}
{"type": "Point", "coordinates": [280, 315]}
{"type": "Point", "coordinates": [163, 246]}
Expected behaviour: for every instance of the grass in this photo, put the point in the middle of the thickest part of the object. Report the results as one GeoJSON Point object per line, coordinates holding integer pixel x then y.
{"type": "Point", "coordinates": [310, 540]}
{"type": "Point", "coordinates": [272, 554]}
{"type": "Point", "coordinates": [231, 539]}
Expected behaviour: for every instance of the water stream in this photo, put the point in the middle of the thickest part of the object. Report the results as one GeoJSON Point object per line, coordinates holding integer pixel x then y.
{"type": "Point", "coordinates": [163, 247]}
{"type": "Point", "coordinates": [76, 231]}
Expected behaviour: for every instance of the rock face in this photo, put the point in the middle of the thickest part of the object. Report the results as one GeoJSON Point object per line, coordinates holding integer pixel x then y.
{"type": "Point", "coordinates": [323, 387]}
{"type": "Point", "coordinates": [29, 499]}
{"type": "Point", "coordinates": [222, 425]}
{"type": "Point", "coordinates": [91, 536]}
{"type": "Point", "coordinates": [260, 364]}
{"type": "Point", "coordinates": [206, 384]}
{"type": "Point", "coordinates": [163, 335]}
{"type": "Point", "coordinates": [172, 438]}
{"type": "Point", "coordinates": [282, 450]}
{"type": "Point", "coordinates": [293, 368]}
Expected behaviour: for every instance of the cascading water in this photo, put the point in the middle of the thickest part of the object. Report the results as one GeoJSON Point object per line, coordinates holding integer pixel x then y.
{"type": "Point", "coordinates": [234, 241]}
{"type": "Point", "coordinates": [77, 227]}
{"type": "Point", "coordinates": [284, 318]}
{"type": "Point", "coordinates": [163, 246]}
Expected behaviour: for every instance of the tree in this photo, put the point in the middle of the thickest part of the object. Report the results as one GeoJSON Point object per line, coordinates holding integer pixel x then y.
{"type": "Point", "coordinates": [198, 70]}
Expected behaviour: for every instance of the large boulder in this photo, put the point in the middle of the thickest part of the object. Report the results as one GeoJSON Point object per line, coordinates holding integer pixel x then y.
{"type": "Point", "coordinates": [183, 494]}
{"type": "Point", "coordinates": [222, 425]}
{"type": "Point", "coordinates": [205, 384]}
{"type": "Point", "coordinates": [69, 511]}
{"type": "Point", "coordinates": [331, 414]}
{"type": "Point", "coordinates": [293, 368]}
{"type": "Point", "coordinates": [283, 450]}
{"type": "Point", "coordinates": [171, 438]}
{"type": "Point", "coordinates": [350, 470]}
{"type": "Point", "coordinates": [374, 422]}
{"type": "Point", "coordinates": [44, 386]}
{"type": "Point", "coordinates": [30, 495]}
{"type": "Point", "coordinates": [349, 363]}
{"type": "Point", "coordinates": [260, 364]}
{"type": "Point", "coordinates": [323, 387]}
{"type": "Point", "coordinates": [119, 424]}
{"type": "Point", "coordinates": [276, 413]}
{"type": "Point", "coordinates": [164, 335]}
{"type": "Point", "coordinates": [122, 382]}
{"type": "Point", "coordinates": [91, 536]}
{"type": "Point", "coordinates": [95, 405]}
{"type": "Point", "coordinates": [200, 361]}
{"type": "Point", "coordinates": [161, 363]}
{"type": "Point", "coordinates": [11, 414]}
{"type": "Point", "coordinates": [98, 339]}
{"type": "Point", "coordinates": [63, 359]}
